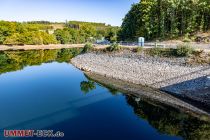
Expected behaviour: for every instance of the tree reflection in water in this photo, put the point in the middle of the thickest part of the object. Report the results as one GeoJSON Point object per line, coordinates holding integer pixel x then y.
{"type": "Point", "coordinates": [87, 86]}
{"type": "Point", "coordinates": [169, 120]}
{"type": "Point", "coordinates": [166, 119]}
{"type": "Point", "coordinates": [17, 60]}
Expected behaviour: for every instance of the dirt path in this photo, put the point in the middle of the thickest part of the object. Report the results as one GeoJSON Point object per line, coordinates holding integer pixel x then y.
{"type": "Point", "coordinates": [197, 46]}
{"type": "Point", "coordinates": [39, 47]}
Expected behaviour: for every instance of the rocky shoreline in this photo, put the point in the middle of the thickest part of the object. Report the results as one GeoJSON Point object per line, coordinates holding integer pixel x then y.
{"type": "Point", "coordinates": [149, 95]}
{"type": "Point", "coordinates": [172, 75]}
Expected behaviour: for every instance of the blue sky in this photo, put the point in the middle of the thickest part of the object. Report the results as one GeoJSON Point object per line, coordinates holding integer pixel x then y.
{"type": "Point", "coordinates": [106, 11]}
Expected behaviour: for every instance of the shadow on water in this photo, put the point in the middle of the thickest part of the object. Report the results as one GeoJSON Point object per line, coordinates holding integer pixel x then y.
{"type": "Point", "coordinates": [164, 117]}
{"type": "Point", "coordinates": [17, 60]}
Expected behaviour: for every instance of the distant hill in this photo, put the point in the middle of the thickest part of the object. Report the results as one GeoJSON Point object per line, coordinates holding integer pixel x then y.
{"type": "Point", "coordinates": [98, 26]}
{"type": "Point", "coordinates": [71, 24]}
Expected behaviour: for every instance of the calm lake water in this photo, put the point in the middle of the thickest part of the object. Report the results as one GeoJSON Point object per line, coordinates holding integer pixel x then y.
{"type": "Point", "coordinates": [42, 90]}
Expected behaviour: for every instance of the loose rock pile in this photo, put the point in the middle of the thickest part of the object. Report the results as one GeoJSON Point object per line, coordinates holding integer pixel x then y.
{"type": "Point", "coordinates": [171, 75]}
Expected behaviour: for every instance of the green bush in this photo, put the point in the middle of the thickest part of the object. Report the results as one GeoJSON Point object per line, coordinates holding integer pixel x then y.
{"type": "Point", "coordinates": [48, 38]}
{"type": "Point", "coordinates": [32, 38]}
{"type": "Point", "coordinates": [138, 49]}
{"type": "Point", "coordinates": [2, 38]}
{"type": "Point", "coordinates": [87, 47]}
{"type": "Point", "coordinates": [114, 47]}
{"type": "Point", "coordinates": [63, 36]}
{"type": "Point", "coordinates": [155, 51]}
{"type": "Point", "coordinates": [15, 39]}
{"type": "Point", "coordinates": [184, 50]}
{"type": "Point", "coordinates": [186, 40]}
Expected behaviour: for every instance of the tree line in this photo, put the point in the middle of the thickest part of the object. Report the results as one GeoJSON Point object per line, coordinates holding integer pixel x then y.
{"type": "Point", "coordinates": [81, 32]}
{"type": "Point", "coordinates": [15, 33]}
{"type": "Point", "coordinates": [166, 19]}
{"type": "Point", "coordinates": [44, 32]}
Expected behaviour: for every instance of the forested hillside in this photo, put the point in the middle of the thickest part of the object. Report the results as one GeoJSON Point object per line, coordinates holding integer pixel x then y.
{"type": "Point", "coordinates": [14, 33]}
{"type": "Point", "coordinates": [45, 32]}
{"type": "Point", "coordinates": [80, 32]}
{"type": "Point", "coordinates": [166, 19]}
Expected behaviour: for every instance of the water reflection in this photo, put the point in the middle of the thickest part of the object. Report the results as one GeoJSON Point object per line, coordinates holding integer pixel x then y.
{"type": "Point", "coordinates": [170, 121]}
{"type": "Point", "coordinates": [90, 84]}
{"type": "Point", "coordinates": [87, 86]}
{"type": "Point", "coordinates": [49, 97]}
{"type": "Point", "coordinates": [166, 119]}
{"type": "Point", "coordinates": [17, 60]}
{"type": "Point", "coordinates": [44, 96]}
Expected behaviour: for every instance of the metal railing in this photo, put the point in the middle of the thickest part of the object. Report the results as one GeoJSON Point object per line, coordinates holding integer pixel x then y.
{"type": "Point", "coordinates": [146, 44]}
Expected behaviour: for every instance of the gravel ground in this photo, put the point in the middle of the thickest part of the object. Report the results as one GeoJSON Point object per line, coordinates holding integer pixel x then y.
{"type": "Point", "coordinates": [168, 74]}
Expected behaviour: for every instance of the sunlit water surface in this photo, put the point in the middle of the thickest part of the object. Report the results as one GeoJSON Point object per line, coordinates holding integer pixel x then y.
{"type": "Point", "coordinates": [57, 96]}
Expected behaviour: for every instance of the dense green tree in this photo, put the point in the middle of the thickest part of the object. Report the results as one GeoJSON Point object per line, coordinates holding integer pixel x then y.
{"type": "Point", "coordinates": [63, 36]}
{"type": "Point", "coordinates": [87, 31]}
{"type": "Point", "coordinates": [15, 39]}
{"type": "Point", "coordinates": [48, 38]}
{"type": "Point", "coordinates": [5, 30]}
{"type": "Point", "coordinates": [32, 38]}
{"type": "Point", "coordinates": [91, 31]}
{"type": "Point", "coordinates": [111, 34]}
{"type": "Point", "coordinates": [161, 19]}
{"type": "Point", "coordinates": [2, 38]}
{"type": "Point", "coordinates": [76, 38]}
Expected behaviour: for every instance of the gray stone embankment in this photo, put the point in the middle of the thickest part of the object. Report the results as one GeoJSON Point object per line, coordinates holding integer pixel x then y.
{"type": "Point", "coordinates": [148, 94]}
{"type": "Point", "coordinates": [168, 74]}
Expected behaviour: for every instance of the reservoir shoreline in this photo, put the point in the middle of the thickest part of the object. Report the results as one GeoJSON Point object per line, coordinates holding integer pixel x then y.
{"type": "Point", "coordinates": [148, 94]}
{"type": "Point", "coordinates": [197, 46]}
{"type": "Point", "coordinates": [169, 75]}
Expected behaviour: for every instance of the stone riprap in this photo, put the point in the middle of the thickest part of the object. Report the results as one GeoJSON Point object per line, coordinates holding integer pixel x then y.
{"type": "Point", "coordinates": [171, 75]}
